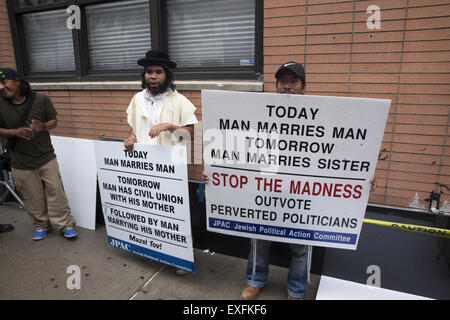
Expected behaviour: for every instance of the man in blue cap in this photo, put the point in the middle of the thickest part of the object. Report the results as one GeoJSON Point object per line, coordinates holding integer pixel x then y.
{"type": "Point", "coordinates": [25, 120]}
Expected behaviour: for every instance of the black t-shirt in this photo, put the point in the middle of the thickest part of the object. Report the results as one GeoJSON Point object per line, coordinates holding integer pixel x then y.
{"type": "Point", "coordinates": [39, 150]}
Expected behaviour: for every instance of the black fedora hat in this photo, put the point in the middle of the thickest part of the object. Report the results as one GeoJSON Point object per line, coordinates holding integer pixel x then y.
{"type": "Point", "coordinates": [156, 58]}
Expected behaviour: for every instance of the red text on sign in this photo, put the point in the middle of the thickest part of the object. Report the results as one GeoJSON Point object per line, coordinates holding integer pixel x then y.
{"type": "Point", "coordinates": [226, 180]}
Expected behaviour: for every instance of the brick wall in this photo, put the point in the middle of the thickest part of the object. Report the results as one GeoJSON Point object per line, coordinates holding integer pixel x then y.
{"type": "Point", "coordinates": [407, 61]}
{"type": "Point", "coordinates": [7, 59]}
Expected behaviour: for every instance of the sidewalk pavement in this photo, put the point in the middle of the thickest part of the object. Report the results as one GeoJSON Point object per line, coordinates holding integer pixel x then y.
{"type": "Point", "coordinates": [40, 269]}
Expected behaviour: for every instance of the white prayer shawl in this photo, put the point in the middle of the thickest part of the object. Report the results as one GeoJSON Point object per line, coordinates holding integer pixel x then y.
{"type": "Point", "coordinates": [176, 109]}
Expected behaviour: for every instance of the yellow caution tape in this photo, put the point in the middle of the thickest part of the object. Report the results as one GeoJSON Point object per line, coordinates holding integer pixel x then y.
{"type": "Point", "coordinates": [444, 233]}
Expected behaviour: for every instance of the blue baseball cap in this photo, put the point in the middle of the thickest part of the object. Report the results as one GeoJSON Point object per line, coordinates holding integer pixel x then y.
{"type": "Point", "coordinates": [9, 74]}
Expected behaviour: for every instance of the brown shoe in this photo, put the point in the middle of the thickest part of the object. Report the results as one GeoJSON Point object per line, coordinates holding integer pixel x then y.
{"type": "Point", "coordinates": [249, 293]}
{"type": "Point", "coordinates": [292, 298]}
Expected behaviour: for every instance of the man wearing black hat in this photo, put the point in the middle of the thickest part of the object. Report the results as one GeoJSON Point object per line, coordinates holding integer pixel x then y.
{"type": "Point", "coordinates": [25, 119]}
{"type": "Point", "coordinates": [158, 114]}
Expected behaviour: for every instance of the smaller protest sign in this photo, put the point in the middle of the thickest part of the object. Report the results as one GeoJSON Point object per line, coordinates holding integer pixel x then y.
{"type": "Point", "coordinates": [145, 201]}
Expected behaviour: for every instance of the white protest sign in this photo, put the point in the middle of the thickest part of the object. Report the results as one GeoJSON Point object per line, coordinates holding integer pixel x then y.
{"type": "Point", "coordinates": [145, 201]}
{"type": "Point", "coordinates": [290, 168]}
{"type": "Point", "coordinates": [76, 160]}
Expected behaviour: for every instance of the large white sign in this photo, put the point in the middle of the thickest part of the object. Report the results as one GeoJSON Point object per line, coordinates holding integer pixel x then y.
{"type": "Point", "coordinates": [290, 168]}
{"type": "Point", "coordinates": [76, 160]}
{"type": "Point", "coordinates": [145, 201]}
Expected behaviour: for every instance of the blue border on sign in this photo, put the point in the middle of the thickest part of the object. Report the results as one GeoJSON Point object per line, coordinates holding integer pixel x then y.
{"type": "Point", "coordinates": [151, 254]}
{"type": "Point", "coordinates": [283, 232]}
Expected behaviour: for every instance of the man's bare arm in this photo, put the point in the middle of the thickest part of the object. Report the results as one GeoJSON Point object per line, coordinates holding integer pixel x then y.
{"type": "Point", "coordinates": [22, 133]}
{"type": "Point", "coordinates": [130, 141]}
{"type": "Point", "coordinates": [156, 130]}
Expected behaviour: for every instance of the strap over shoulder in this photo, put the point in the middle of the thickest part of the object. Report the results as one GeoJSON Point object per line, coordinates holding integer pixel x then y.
{"type": "Point", "coordinates": [13, 141]}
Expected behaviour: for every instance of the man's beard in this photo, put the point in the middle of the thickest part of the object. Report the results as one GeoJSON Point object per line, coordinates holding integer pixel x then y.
{"type": "Point", "coordinates": [159, 89]}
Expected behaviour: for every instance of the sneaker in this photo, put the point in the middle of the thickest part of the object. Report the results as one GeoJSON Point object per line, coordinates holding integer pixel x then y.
{"type": "Point", "coordinates": [39, 234]}
{"type": "Point", "coordinates": [6, 228]}
{"type": "Point", "coordinates": [70, 233]}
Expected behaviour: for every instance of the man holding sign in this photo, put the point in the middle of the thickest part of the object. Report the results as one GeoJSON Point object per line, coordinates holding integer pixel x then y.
{"type": "Point", "coordinates": [298, 173]}
{"type": "Point", "coordinates": [290, 80]}
{"type": "Point", "coordinates": [158, 114]}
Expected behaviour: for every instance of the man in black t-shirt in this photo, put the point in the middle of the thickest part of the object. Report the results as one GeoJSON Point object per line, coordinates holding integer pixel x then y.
{"type": "Point", "coordinates": [33, 161]}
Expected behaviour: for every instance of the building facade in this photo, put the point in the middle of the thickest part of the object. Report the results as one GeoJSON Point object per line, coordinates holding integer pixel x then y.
{"type": "Point", "coordinates": [83, 55]}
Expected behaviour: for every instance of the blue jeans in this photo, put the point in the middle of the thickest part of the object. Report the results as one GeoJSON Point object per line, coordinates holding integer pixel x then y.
{"type": "Point", "coordinates": [257, 274]}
